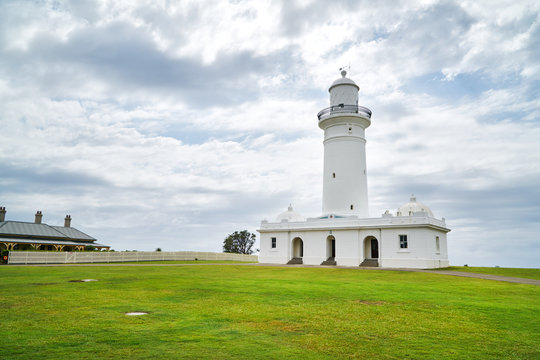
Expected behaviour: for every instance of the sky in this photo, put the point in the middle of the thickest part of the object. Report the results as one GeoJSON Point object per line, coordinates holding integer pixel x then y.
{"type": "Point", "coordinates": [172, 124]}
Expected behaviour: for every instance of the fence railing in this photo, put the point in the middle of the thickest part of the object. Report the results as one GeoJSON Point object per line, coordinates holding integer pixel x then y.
{"type": "Point", "coordinates": [56, 257]}
{"type": "Point", "coordinates": [344, 109]}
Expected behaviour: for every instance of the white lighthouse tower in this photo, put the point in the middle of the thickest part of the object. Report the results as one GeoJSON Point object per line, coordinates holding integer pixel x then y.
{"type": "Point", "coordinates": [344, 178]}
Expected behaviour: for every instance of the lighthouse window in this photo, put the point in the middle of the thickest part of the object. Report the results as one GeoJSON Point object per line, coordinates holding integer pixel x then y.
{"type": "Point", "coordinates": [352, 207]}
{"type": "Point", "coordinates": [403, 242]}
{"type": "Point", "coordinates": [334, 175]}
{"type": "Point", "coordinates": [350, 129]}
{"type": "Point", "coordinates": [274, 242]}
{"type": "Point", "coordinates": [437, 244]}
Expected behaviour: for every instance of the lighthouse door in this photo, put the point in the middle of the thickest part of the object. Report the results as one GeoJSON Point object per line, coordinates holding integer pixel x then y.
{"type": "Point", "coordinates": [374, 249]}
{"type": "Point", "coordinates": [298, 248]}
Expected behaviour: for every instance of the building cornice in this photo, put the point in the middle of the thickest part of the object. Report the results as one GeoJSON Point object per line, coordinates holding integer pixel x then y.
{"type": "Point", "coordinates": [355, 224]}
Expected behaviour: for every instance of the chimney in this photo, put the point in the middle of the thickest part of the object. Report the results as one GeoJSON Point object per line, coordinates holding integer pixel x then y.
{"type": "Point", "coordinates": [67, 221]}
{"type": "Point", "coordinates": [39, 215]}
{"type": "Point", "coordinates": [2, 213]}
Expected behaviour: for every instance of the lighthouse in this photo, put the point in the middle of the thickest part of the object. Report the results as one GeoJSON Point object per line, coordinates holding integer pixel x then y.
{"type": "Point", "coordinates": [344, 176]}
{"type": "Point", "coordinates": [345, 234]}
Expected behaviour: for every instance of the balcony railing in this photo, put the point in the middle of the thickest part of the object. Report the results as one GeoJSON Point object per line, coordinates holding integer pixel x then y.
{"type": "Point", "coordinates": [344, 109]}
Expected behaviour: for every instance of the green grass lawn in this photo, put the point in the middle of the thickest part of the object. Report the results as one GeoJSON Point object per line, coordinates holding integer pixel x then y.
{"type": "Point", "coordinates": [514, 272]}
{"type": "Point", "coordinates": [244, 312]}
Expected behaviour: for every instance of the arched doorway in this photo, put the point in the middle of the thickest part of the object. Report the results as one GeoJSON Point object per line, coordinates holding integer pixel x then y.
{"type": "Point", "coordinates": [331, 247]}
{"type": "Point", "coordinates": [330, 251]}
{"type": "Point", "coordinates": [298, 248]}
{"type": "Point", "coordinates": [371, 252]}
{"type": "Point", "coordinates": [297, 251]}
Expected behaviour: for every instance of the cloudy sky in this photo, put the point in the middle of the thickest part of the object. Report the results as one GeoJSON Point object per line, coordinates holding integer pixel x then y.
{"type": "Point", "coordinates": [174, 123]}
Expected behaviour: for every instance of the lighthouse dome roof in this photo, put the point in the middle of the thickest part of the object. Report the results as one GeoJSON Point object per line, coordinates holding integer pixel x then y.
{"type": "Point", "coordinates": [289, 215]}
{"type": "Point", "coordinates": [343, 81]}
{"type": "Point", "coordinates": [414, 206]}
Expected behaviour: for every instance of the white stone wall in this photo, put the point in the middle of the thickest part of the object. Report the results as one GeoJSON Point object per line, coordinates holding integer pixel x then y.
{"type": "Point", "coordinates": [281, 254]}
{"type": "Point", "coordinates": [314, 246]}
{"type": "Point", "coordinates": [421, 251]}
{"type": "Point", "coordinates": [347, 247]}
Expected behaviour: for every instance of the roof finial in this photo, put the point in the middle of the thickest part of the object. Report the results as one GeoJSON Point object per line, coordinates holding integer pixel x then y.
{"type": "Point", "coordinates": [290, 208]}
{"type": "Point", "coordinates": [413, 198]}
{"type": "Point", "coordinates": [344, 69]}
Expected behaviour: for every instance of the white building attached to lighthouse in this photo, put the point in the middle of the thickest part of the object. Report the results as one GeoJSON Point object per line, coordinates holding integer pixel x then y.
{"type": "Point", "coordinates": [345, 234]}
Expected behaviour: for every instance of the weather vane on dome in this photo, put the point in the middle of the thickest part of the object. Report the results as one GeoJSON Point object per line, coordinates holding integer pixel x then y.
{"type": "Point", "coordinates": [345, 69]}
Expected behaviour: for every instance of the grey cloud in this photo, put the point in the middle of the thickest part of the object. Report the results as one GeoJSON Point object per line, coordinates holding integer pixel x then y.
{"type": "Point", "coordinates": [393, 110]}
{"type": "Point", "coordinates": [499, 205]}
{"type": "Point", "coordinates": [296, 19]}
{"type": "Point", "coordinates": [85, 9]}
{"type": "Point", "coordinates": [251, 208]}
{"type": "Point", "coordinates": [156, 223]}
{"type": "Point", "coordinates": [533, 46]}
{"type": "Point", "coordinates": [136, 217]}
{"type": "Point", "coordinates": [433, 35]}
{"type": "Point", "coordinates": [29, 179]}
{"type": "Point", "coordinates": [172, 26]}
{"type": "Point", "coordinates": [126, 59]}
{"type": "Point", "coordinates": [483, 220]}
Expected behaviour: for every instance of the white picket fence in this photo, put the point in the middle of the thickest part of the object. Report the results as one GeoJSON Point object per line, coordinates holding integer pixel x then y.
{"type": "Point", "coordinates": [64, 257]}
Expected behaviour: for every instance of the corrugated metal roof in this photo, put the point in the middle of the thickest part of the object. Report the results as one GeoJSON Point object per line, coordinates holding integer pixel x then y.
{"type": "Point", "coordinates": [50, 242]}
{"type": "Point", "coordinates": [72, 233]}
{"type": "Point", "coordinates": [27, 229]}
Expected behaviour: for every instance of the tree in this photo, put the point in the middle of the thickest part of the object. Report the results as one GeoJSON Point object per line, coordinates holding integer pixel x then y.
{"type": "Point", "coordinates": [158, 249]}
{"type": "Point", "coordinates": [239, 242]}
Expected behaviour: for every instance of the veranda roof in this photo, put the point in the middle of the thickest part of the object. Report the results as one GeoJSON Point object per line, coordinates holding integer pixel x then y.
{"type": "Point", "coordinates": [50, 242]}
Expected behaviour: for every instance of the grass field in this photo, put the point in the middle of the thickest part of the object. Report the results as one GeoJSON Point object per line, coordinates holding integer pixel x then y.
{"type": "Point", "coordinates": [245, 312]}
{"type": "Point", "coordinates": [514, 272]}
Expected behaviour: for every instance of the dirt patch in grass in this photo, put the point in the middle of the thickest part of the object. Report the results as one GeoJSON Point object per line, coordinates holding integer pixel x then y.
{"type": "Point", "coordinates": [83, 280]}
{"type": "Point", "coordinates": [371, 302]}
{"type": "Point", "coordinates": [284, 326]}
{"type": "Point", "coordinates": [274, 325]}
{"type": "Point", "coordinates": [41, 284]}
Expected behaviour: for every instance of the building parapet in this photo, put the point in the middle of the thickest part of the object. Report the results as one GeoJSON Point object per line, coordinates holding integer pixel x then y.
{"type": "Point", "coordinates": [353, 222]}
